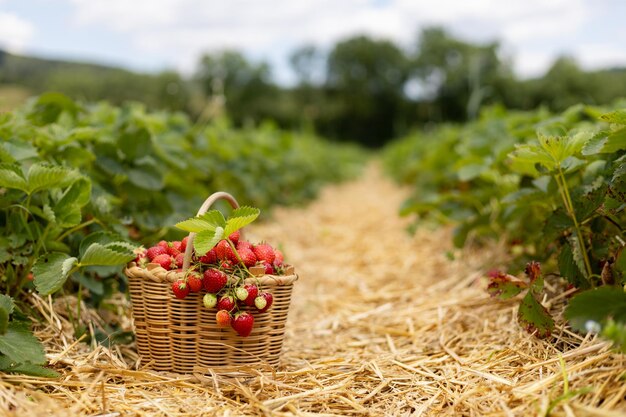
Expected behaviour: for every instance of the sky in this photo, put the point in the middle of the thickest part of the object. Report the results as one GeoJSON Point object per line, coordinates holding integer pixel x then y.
{"type": "Point", "coordinates": [153, 35]}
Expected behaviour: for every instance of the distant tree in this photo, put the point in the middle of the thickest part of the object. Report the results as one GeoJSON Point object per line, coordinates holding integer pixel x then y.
{"type": "Point", "coordinates": [365, 86]}
{"type": "Point", "coordinates": [461, 76]}
{"type": "Point", "coordinates": [246, 87]}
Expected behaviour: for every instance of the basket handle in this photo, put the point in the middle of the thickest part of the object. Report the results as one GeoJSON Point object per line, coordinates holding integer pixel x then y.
{"type": "Point", "coordinates": [220, 195]}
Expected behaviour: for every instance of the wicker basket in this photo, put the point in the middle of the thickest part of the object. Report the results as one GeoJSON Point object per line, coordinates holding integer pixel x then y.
{"type": "Point", "coordinates": [181, 335]}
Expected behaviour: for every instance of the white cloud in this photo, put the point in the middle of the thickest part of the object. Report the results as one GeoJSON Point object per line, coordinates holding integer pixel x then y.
{"type": "Point", "coordinates": [180, 30]}
{"type": "Point", "coordinates": [15, 32]}
{"type": "Point", "coordinates": [598, 55]}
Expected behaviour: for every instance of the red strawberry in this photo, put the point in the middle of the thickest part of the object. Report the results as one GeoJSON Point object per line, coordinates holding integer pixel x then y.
{"type": "Point", "coordinates": [209, 258]}
{"type": "Point", "coordinates": [278, 258]}
{"type": "Point", "coordinates": [234, 237]}
{"type": "Point", "coordinates": [163, 244]}
{"type": "Point", "coordinates": [180, 258]}
{"type": "Point", "coordinates": [226, 264]}
{"type": "Point", "coordinates": [180, 288]}
{"type": "Point", "coordinates": [264, 305]}
{"type": "Point", "coordinates": [226, 302]}
{"type": "Point", "coordinates": [195, 282]}
{"type": "Point", "coordinates": [222, 318]}
{"type": "Point", "coordinates": [244, 244]}
{"type": "Point", "coordinates": [224, 251]}
{"type": "Point", "coordinates": [173, 248]}
{"type": "Point", "coordinates": [155, 251]}
{"type": "Point", "coordinates": [183, 244]}
{"type": "Point", "coordinates": [247, 256]}
{"type": "Point", "coordinates": [264, 253]}
{"type": "Point", "coordinates": [247, 294]}
{"type": "Point", "coordinates": [269, 269]}
{"type": "Point", "coordinates": [214, 280]}
{"type": "Point", "coordinates": [165, 261]}
{"type": "Point", "coordinates": [209, 300]}
{"type": "Point", "coordinates": [243, 323]}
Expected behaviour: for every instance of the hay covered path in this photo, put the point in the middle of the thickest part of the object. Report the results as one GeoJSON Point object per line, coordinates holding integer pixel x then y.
{"type": "Point", "coordinates": [382, 324]}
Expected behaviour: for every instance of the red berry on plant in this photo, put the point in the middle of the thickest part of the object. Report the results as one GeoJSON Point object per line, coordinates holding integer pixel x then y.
{"type": "Point", "coordinates": [226, 302]}
{"type": "Point", "coordinates": [165, 260]}
{"type": "Point", "coordinates": [247, 293]}
{"type": "Point", "coordinates": [243, 324]}
{"type": "Point", "coordinates": [247, 256]}
{"type": "Point", "coordinates": [194, 281]}
{"type": "Point", "coordinates": [224, 251]}
{"type": "Point", "coordinates": [183, 244]}
{"type": "Point", "coordinates": [163, 244]}
{"type": "Point", "coordinates": [278, 257]}
{"type": "Point", "coordinates": [223, 318]}
{"type": "Point", "coordinates": [180, 258]}
{"type": "Point", "coordinates": [234, 237]}
{"type": "Point", "coordinates": [269, 269]}
{"type": "Point", "coordinates": [155, 251]}
{"type": "Point", "coordinates": [214, 280]}
{"type": "Point", "coordinates": [264, 253]}
{"type": "Point", "coordinates": [244, 244]}
{"type": "Point", "coordinates": [180, 289]}
{"type": "Point", "coordinates": [209, 258]}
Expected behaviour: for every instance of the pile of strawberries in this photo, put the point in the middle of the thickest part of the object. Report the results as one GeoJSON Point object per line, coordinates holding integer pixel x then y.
{"type": "Point", "coordinates": [221, 273]}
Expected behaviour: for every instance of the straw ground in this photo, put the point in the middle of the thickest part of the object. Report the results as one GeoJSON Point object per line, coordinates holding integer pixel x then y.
{"type": "Point", "coordinates": [382, 324]}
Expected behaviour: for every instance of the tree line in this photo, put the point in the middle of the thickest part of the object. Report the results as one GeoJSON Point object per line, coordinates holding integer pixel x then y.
{"type": "Point", "coordinates": [363, 89]}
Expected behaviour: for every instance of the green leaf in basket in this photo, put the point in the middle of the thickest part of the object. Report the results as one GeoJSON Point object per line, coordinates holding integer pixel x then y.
{"type": "Point", "coordinates": [206, 239]}
{"type": "Point", "coordinates": [240, 217]}
{"type": "Point", "coordinates": [208, 221]}
{"type": "Point", "coordinates": [51, 271]}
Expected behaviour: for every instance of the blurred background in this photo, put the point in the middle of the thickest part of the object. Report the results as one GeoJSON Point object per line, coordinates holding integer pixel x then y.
{"type": "Point", "coordinates": [363, 71]}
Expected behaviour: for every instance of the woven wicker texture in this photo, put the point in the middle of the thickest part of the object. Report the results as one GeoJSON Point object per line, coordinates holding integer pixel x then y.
{"type": "Point", "coordinates": [181, 335]}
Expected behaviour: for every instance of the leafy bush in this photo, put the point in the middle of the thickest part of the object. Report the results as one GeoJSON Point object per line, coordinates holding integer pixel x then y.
{"type": "Point", "coordinates": [554, 185]}
{"type": "Point", "coordinates": [83, 185]}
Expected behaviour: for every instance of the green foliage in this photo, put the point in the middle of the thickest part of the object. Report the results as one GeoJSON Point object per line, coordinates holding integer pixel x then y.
{"type": "Point", "coordinates": [211, 227]}
{"type": "Point", "coordinates": [80, 182]}
{"type": "Point", "coordinates": [553, 185]}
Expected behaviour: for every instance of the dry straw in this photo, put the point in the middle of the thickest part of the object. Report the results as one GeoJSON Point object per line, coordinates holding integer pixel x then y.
{"type": "Point", "coordinates": [381, 324]}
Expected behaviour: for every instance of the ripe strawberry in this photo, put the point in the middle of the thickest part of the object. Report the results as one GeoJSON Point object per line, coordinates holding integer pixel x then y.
{"type": "Point", "coordinates": [243, 323]}
{"type": "Point", "coordinates": [269, 269]}
{"type": "Point", "coordinates": [247, 256]}
{"type": "Point", "coordinates": [278, 258]}
{"type": "Point", "coordinates": [226, 264]}
{"type": "Point", "coordinates": [209, 258]}
{"type": "Point", "coordinates": [209, 300]}
{"type": "Point", "coordinates": [165, 261]}
{"type": "Point", "coordinates": [224, 251]}
{"type": "Point", "coordinates": [244, 244]}
{"type": "Point", "coordinates": [226, 302]}
{"type": "Point", "coordinates": [222, 318]}
{"type": "Point", "coordinates": [247, 294]}
{"type": "Point", "coordinates": [163, 244]}
{"type": "Point", "coordinates": [195, 282]}
{"type": "Point", "coordinates": [214, 280]}
{"type": "Point", "coordinates": [264, 305]}
{"type": "Point", "coordinates": [180, 258]}
{"type": "Point", "coordinates": [174, 248]}
{"type": "Point", "coordinates": [183, 244]}
{"type": "Point", "coordinates": [234, 237]}
{"type": "Point", "coordinates": [155, 251]}
{"type": "Point", "coordinates": [180, 288]}
{"type": "Point", "coordinates": [264, 253]}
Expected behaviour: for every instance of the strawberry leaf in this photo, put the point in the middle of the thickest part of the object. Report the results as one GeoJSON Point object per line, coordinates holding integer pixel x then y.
{"type": "Point", "coordinates": [240, 217]}
{"type": "Point", "coordinates": [11, 177]}
{"type": "Point", "coordinates": [597, 305]}
{"type": "Point", "coordinates": [505, 286]}
{"type": "Point", "coordinates": [43, 175]}
{"type": "Point", "coordinates": [208, 221]}
{"type": "Point", "coordinates": [206, 240]}
{"type": "Point", "coordinates": [617, 117]}
{"type": "Point", "coordinates": [114, 253]}
{"type": "Point", "coordinates": [20, 345]}
{"type": "Point", "coordinates": [7, 365]}
{"type": "Point", "coordinates": [51, 271]}
{"type": "Point", "coordinates": [534, 317]}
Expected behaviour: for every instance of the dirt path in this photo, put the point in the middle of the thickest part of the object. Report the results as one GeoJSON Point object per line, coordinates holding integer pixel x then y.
{"type": "Point", "coordinates": [382, 324]}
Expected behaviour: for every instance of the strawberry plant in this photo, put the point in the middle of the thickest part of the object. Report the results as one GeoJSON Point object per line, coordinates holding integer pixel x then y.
{"type": "Point", "coordinates": [553, 185]}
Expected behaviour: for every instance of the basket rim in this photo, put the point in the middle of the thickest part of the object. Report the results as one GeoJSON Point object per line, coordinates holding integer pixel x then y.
{"type": "Point", "coordinates": [156, 273]}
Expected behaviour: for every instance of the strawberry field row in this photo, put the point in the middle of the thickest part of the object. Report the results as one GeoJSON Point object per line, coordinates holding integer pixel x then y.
{"type": "Point", "coordinates": [552, 186]}
{"type": "Point", "coordinates": [82, 185]}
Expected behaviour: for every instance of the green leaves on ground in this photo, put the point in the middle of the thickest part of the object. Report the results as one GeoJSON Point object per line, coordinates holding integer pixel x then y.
{"type": "Point", "coordinates": [534, 317]}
